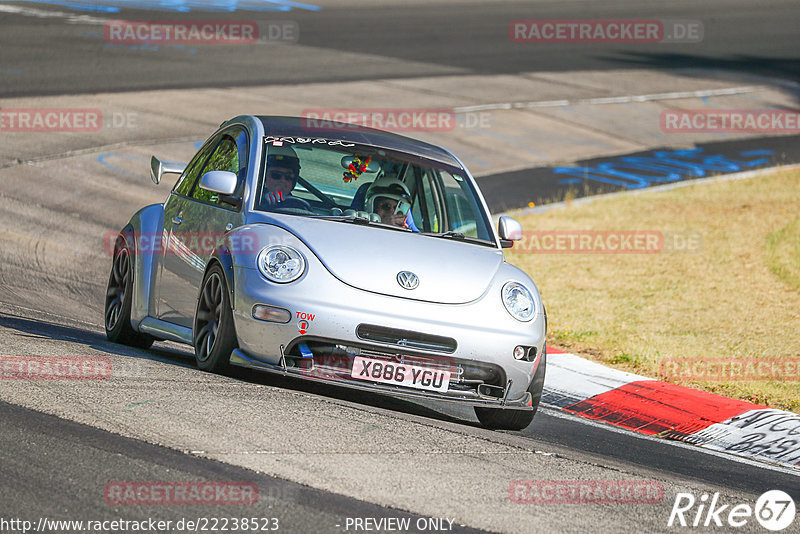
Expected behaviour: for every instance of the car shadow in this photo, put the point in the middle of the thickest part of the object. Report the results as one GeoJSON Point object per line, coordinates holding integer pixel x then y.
{"type": "Point", "coordinates": [172, 353]}
{"type": "Point", "coordinates": [367, 398]}
{"type": "Point", "coordinates": [181, 355]}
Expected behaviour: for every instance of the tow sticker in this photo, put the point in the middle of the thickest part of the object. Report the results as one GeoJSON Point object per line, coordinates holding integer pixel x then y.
{"type": "Point", "coordinates": [304, 322]}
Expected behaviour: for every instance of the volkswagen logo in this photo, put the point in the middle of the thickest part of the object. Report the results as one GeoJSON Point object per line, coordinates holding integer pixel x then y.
{"type": "Point", "coordinates": [407, 280]}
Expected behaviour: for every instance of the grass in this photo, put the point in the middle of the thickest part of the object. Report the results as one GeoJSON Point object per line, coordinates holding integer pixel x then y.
{"type": "Point", "coordinates": [783, 253]}
{"type": "Point", "coordinates": [726, 286]}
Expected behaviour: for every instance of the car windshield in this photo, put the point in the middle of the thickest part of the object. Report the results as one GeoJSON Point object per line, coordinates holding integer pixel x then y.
{"type": "Point", "coordinates": [357, 183]}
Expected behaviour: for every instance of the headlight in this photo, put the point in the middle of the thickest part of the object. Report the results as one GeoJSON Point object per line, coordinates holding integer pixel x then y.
{"type": "Point", "coordinates": [518, 301]}
{"type": "Point", "coordinates": [281, 264]}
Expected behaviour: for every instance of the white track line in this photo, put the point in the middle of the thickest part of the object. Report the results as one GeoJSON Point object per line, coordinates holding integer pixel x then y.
{"type": "Point", "coordinates": [611, 99]}
{"type": "Point", "coordinates": [71, 18]}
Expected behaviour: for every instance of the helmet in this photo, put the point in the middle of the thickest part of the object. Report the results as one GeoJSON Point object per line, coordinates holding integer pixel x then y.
{"type": "Point", "coordinates": [283, 156]}
{"type": "Point", "coordinates": [388, 188]}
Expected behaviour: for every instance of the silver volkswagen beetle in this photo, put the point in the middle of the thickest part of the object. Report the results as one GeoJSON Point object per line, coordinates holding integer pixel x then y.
{"type": "Point", "coordinates": [336, 253]}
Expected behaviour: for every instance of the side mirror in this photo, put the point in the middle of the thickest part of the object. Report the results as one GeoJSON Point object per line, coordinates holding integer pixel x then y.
{"type": "Point", "coordinates": [509, 230]}
{"type": "Point", "coordinates": [159, 168]}
{"type": "Point", "coordinates": [222, 182]}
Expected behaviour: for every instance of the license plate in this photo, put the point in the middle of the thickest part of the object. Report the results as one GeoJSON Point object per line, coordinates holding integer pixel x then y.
{"type": "Point", "coordinates": [400, 374]}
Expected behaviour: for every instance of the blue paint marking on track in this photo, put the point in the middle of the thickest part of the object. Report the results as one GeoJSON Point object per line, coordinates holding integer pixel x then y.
{"type": "Point", "coordinates": [103, 157]}
{"type": "Point", "coordinates": [180, 6]}
{"type": "Point", "coordinates": [664, 166]}
{"type": "Point", "coordinates": [595, 176]}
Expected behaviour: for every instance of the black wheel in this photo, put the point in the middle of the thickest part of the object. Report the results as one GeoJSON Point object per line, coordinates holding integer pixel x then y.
{"type": "Point", "coordinates": [119, 298]}
{"type": "Point", "coordinates": [499, 419]}
{"type": "Point", "coordinates": [214, 333]}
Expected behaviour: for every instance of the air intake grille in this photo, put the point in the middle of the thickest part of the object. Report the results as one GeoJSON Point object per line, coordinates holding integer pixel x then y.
{"type": "Point", "coordinates": [406, 338]}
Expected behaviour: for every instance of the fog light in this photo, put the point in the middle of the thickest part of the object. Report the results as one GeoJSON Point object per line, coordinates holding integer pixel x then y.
{"type": "Point", "coordinates": [520, 352]}
{"type": "Point", "coordinates": [271, 314]}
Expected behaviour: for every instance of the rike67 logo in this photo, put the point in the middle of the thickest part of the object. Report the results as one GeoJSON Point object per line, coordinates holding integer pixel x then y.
{"type": "Point", "coordinates": [774, 510]}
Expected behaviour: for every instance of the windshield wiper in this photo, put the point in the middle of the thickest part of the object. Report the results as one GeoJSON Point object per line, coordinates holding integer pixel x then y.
{"type": "Point", "coordinates": [461, 237]}
{"type": "Point", "coordinates": [454, 235]}
{"type": "Point", "coordinates": [361, 220]}
{"type": "Point", "coordinates": [346, 218]}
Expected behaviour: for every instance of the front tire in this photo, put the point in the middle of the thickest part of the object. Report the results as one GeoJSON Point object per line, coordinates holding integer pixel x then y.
{"type": "Point", "coordinates": [119, 299]}
{"type": "Point", "coordinates": [214, 335]}
{"type": "Point", "coordinates": [503, 419]}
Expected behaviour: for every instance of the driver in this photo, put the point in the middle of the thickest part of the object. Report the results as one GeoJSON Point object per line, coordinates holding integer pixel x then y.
{"type": "Point", "coordinates": [390, 199]}
{"type": "Point", "coordinates": [283, 170]}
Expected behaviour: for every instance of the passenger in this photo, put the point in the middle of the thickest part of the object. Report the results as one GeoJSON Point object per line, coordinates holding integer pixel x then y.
{"type": "Point", "coordinates": [390, 199]}
{"type": "Point", "coordinates": [283, 170]}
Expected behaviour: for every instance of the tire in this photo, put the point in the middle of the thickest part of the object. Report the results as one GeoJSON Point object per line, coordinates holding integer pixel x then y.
{"type": "Point", "coordinates": [214, 335]}
{"type": "Point", "coordinates": [500, 419]}
{"type": "Point", "coordinates": [119, 299]}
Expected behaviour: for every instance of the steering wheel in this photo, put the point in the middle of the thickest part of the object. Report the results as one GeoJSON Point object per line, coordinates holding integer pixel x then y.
{"type": "Point", "coordinates": [295, 202]}
{"type": "Point", "coordinates": [327, 201]}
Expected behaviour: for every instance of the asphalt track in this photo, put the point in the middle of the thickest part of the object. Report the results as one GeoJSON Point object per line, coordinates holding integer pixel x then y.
{"type": "Point", "coordinates": [56, 468]}
{"type": "Point", "coordinates": [42, 479]}
{"type": "Point", "coordinates": [318, 454]}
{"type": "Point", "coordinates": [362, 40]}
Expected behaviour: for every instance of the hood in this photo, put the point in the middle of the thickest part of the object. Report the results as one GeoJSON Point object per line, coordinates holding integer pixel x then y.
{"type": "Point", "coordinates": [370, 258]}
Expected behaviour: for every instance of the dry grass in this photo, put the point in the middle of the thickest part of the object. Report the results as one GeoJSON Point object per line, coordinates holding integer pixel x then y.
{"type": "Point", "coordinates": [783, 253]}
{"type": "Point", "coordinates": [737, 297]}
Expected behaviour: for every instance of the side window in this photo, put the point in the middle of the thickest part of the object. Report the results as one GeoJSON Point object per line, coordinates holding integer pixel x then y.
{"type": "Point", "coordinates": [224, 158]}
{"type": "Point", "coordinates": [227, 151]}
{"type": "Point", "coordinates": [192, 172]}
{"type": "Point", "coordinates": [426, 204]}
{"type": "Point", "coordinates": [463, 211]}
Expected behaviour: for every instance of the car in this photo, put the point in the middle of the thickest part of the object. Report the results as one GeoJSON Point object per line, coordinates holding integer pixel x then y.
{"type": "Point", "coordinates": [336, 253]}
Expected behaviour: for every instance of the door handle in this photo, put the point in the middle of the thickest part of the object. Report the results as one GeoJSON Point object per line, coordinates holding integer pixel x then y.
{"type": "Point", "coordinates": [177, 220]}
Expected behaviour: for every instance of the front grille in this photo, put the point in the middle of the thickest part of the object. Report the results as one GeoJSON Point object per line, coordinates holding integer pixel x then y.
{"type": "Point", "coordinates": [406, 338]}
{"type": "Point", "coordinates": [335, 359]}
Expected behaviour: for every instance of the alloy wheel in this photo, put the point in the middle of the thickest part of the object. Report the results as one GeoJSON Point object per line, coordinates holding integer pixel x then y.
{"type": "Point", "coordinates": [117, 285]}
{"type": "Point", "coordinates": [208, 316]}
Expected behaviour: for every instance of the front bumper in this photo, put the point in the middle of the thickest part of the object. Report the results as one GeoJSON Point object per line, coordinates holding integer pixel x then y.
{"type": "Point", "coordinates": [324, 308]}
{"type": "Point", "coordinates": [241, 359]}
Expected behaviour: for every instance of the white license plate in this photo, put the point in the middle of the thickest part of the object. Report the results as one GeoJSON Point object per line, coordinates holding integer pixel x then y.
{"type": "Point", "coordinates": [400, 374]}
